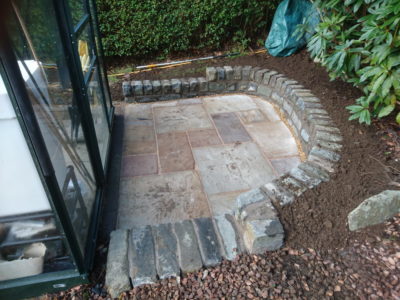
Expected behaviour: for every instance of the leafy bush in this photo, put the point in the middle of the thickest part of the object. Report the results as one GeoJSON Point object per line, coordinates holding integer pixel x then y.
{"type": "Point", "coordinates": [152, 27]}
{"type": "Point", "coordinates": [359, 41]}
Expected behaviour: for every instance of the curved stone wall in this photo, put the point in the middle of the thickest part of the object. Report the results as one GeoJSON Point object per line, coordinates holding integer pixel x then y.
{"type": "Point", "coordinates": [319, 137]}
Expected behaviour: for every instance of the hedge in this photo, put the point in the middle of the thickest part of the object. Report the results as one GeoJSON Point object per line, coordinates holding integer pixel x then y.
{"type": "Point", "coordinates": [153, 27]}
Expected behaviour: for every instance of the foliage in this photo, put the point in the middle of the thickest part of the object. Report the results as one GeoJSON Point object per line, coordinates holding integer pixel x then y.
{"type": "Point", "coordinates": [159, 27]}
{"type": "Point", "coordinates": [359, 41]}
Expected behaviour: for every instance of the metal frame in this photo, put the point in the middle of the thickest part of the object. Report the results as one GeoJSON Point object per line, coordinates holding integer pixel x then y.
{"type": "Point", "coordinates": [35, 285]}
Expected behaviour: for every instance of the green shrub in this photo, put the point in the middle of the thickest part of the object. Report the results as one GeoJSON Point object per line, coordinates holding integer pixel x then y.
{"type": "Point", "coordinates": [359, 41]}
{"type": "Point", "coordinates": [158, 27]}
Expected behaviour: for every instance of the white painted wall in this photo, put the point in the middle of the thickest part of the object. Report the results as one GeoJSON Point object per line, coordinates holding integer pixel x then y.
{"type": "Point", "coordinates": [21, 190]}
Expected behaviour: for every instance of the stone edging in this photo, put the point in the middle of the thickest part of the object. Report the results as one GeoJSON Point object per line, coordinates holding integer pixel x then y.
{"type": "Point", "coordinates": [320, 140]}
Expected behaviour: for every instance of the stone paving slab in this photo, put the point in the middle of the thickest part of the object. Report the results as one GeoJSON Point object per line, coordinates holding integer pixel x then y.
{"type": "Point", "coordinates": [228, 103]}
{"type": "Point", "coordinates": [181, 118]}
{"type": "Point", "coordinates": [139, 139]}
{"type": "Point", "coordinates": [230, 128]}
{"type": "Point", "coordinates": [224, 203]}
{"type": "Point", "coordinates": [284, 165]}
{"type": "Point", "coordinates": [166, 251]}
{"type": "Point", "coordinates": [208, 241]}
{"type": "Point", "coordinates": [252, 116]}
{"type": "Point", "coordinates": [165, 198]}
{"type": "Point", "coordinates": [142, 268]}
{"type": "Point", "coordinates": [232, 168]}
{"type": "Point", "coordinates": [174, 152]}
{"type": "Point", "coordinates": [189, 253]}
{"type": "Point", "coordinates": [138, 165]}
{"type": "Point", "coordinates": [203, 138]}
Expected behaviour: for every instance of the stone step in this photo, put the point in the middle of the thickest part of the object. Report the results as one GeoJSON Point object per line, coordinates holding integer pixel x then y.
{"type": "Point", "coordinates": [208, 241]}
{"type": "Point", "coordinates": [231, 242]}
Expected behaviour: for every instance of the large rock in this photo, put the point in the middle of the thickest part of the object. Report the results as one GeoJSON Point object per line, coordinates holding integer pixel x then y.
{"type": "Point", "coordinates": [375, 210]}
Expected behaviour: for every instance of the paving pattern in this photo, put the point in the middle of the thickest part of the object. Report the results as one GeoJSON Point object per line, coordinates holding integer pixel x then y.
{"type": "Point", "coordinates": [191, 158]}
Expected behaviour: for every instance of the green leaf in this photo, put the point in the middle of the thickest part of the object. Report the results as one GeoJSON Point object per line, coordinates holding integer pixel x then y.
{"type": "Point", "coordinates": [385, 111]}
{"type": "Point", "coordinates": [398, 118]}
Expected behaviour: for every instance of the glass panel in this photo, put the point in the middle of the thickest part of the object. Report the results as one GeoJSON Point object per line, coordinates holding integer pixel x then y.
{"type": "Point", "coordinates": [46, 75]}
{"type": "Point", "coordinates": [96, 100]}
{"type": "Point", "coordinates": [30, 242]}
{"type": "Point", "coordinates": [99, 54]}
{"type": "Point", "coordinates": [85, 48]}
{"type": "Point", "coordinates": [77, 8]}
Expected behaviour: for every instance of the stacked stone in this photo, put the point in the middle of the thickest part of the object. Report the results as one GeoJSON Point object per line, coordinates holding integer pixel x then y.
{"type": "Point", "coordinates": [143, 254]}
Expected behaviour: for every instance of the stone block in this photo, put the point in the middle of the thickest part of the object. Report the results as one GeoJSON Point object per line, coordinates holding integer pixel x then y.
{"type": "Point", "coordinates": [126, 88]}
{"type": "Point", "coordinates": [228, 72]}
{"type": "Point", "coordinates": [146, 99]}
{"type": "Point", "coordinates": [326, 136]}
{"type": "Point", "coordinates": [166, 251]}
{"type": "Point", "coordinates": [287, 83]}
{"type": "Point", "coordinates": [253, 73]}
{"type": "Point", "coordinates": [267, 76]}
{"type": "Point", "coordinates": [220, 73]}
{"type": "Point", "coordinates": [156, 87]}
{"type": "Point", "coordinates": [278, 99]}
{"type": "Point", "coordinates": [274, 78]}
{"type": "Point", "coordinates": [229, 236]}
{"type": "Point", "coordinates": [305, 135]}
{"type": "Point", "coordinates": [211, 74]}
{"type": "Point", "coordinates": [169, 97]}
{"type": "Point", "coordinates": [321, 162]}
{"type": "Point", "coordinates": [231, 86]}
{"type": "Point", "coordinates": [264, 90]}
{"type": "Point", "coordinates": [304, 178]}
{"type": "Point", "coordinates": [246, 73]}
{"type": "Point", "coordinates": [314, 170]}
{"type": "Point", "coordinates": [291, 185]}
{"type": "Point", "coordinates": [324, 153]}
{"type": "Point", "coordinates": [242, 86]}
{"type": "Point", "coordinates": [189, 253]}
{"type": "Point", "coordinates": [237, 73]}
{"type": "Point", "coordinates": [329, 145]}
{"type": "Point", "coordinates": [216, 86]}
{"type": "Point", "coordinates": [176, 86]}
{"type": "Point", "coordinates": [252, 196]}
{"type": "Point", "coordinates": [203, 85]}
{"type": "Point", "coordinates": [287, 107]}
{"type": "Point", "coordinates": [375, 210]}
{"type": "Point", "coordinates": [208, 241]}
{"type": "Point", "coordinates": [279, 83]}
{"type": "Point", "coordinates": [290, 88]}
{"type": "Point", "coordinates": [257, 211]}
{"type": "Point", "coordinates": [185, 86]}
{"type": "Point", "coordinates": [166, 86]}
{"type": "Point", "coordinates": [327, 128]}
{"type": "Point", "coordinates": [277, 193]}
{"type": "Point", "coordinates": [252, 87]}
{"type": "Point", "coordinates": [258, 77]}
{"type": "Point", "coordinates": [141, 255]}
{"type": "Point", "coordinates": [193, 85]}
{"type": "Point", "coordinates": [117, 273]}
{"type": "Point", "coordinates": [137, 88]}
{"type": "Point", "coordinates": [263, 235]}
{"type": "Point", "coordinates": [147, 87]}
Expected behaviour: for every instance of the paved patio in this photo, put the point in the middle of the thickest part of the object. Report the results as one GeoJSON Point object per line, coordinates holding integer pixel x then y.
{"type": "Point", "coordinates": [191, 158]}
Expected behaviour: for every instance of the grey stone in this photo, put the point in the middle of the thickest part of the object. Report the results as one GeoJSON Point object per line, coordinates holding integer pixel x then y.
{"type": "Point", "coordinates": [176, 86]}
{"type": "Point", "coordinates": [296, 121]}
{"type": "Point", "coordinates": [229, 236]}
{"type": "Point", "coordinates": [287, 107]}
{"type": "Point", "coordinates": [211, 74]}
{"type": "Point", "coordinates": [316, 120]}
{"type": "Point", "coordinates": [375, 210]}
{"type": "Point", "coordinates": [267, 76]}
{"type": "Point", "coordinates": [246, 72]}
{"type": "Point", "coordinates": [220, 73]}
{"type": "Point", "coordinates": [156, 87]}
{"type": "Point", "coordinates": [274, 78]}
{"type": "Point", "coordinates": [252, 196]}
{"type": "Point", "coordinates": [185, 86]}
{"type": "Point", "coordinates": [319, 111]}
{"type": "Point", "coordinates": [203, 85]}
{"type": "Point", "coordinates": [117, 275]}
{"type": "Point", "coordinates": [325, 154]}
{"type": "Point", "coordinates": [277, 98]}
{"type": "Point", "coordinates": [292, 185]}
{"type": "Point", "coordinates": [208, 241]}
{"type": "Point", "coordinates": [290, 88]}
{"type": "Point", "coordinates": [330, 145]}
{"type": "Point", "coordinates": [243, 86]}
{"type": "Point", "coordinates": [137, 88]}
{"type": "Point", "coordinates": [169, 97]}
{"type": "Point", "coordinates": [166, 86]}
{"type": "Point", "coordinates": [231, 86]}
{"type": "Point", "coordinates": [142, 267]}
{"type": "Point", "coordinates": [258, 77]}
{"type": "Point", "coordinates": [263, 235]}
{"type": "Point", "coordinates": [253, 72]}
{"type": "Point", "coordinates": [279, 82]}
{"type": "Point", "coordinates": [314, 170]}
{"type": "Point", "coordinates": [264, 90]}
{"type": "Point", "coordinates": [193, 85]}
{"type": "Point", "coordinates": [252, 87]}
{"type": "Point", "coordinates": [304, 135]}
{"type": "Point", "coordinates": [216, 86]}
{"type": "Point", "coordinates": [277, 193]}
{"type": "Point", "coordinates": [237, 73]}
{"type": "Point", "coordinates": [257, 211]}
{"type": "Point", "coordinates": [327, 128]}
{"type": "Point", "coordinates": [126, 88]}
{"type": "Point", "coordinates": [321, 162]}
{"type": "Point", "coordinates": [189, 253]}
{"type": "Point", "coordinates": [166, 251]}
{"type": "Point", "coordinates": [146, 99]}
{"type": "Point", "coordinates": [228, 72]}
{"type": "Point", "coordinates": [304, 178]}
{"type": "Point", "coordinates": [287, 83]}
{"type": "Point", "coordinates": [326, 136]}
{"type": "Point", "coordinates": [147, 87]}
